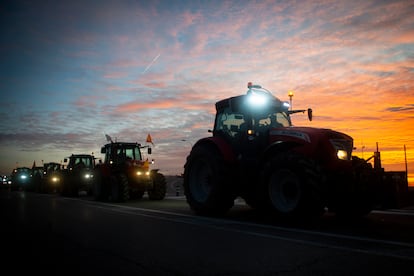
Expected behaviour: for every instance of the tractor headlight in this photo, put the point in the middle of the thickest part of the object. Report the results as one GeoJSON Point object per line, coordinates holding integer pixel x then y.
{"type": "Point", "coordinates": [342, 154]}
{"type": "Point", "coordinates": [55, 179]}
{"type": "Point", "coordinates": [88, 176]}
{"type": "Point", "coordinates": [140, 173]}
{"type": "Point", "coordinates": [343, 148]}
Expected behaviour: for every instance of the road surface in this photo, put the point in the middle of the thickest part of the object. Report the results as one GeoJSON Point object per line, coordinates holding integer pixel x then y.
{"type": "Point", "coordinates": [50, 234]}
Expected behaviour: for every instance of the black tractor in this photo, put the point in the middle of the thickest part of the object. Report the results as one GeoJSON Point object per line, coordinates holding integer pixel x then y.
{"type": "Point", "coordinates": [78, 175]}
{"type": "Point", "coordinates": [51, 181]}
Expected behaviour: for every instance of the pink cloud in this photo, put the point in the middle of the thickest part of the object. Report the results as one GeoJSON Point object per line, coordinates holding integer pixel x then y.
{"type": "Point", "coordinates": [134, 106]}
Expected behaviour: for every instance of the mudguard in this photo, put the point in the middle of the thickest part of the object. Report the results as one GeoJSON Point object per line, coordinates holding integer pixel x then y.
{"type": "Point", "coordinates": [223, 147]}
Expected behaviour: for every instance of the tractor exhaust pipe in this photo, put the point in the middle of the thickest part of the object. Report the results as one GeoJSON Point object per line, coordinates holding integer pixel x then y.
{"type": "Point", "coordinates": [377, 159]}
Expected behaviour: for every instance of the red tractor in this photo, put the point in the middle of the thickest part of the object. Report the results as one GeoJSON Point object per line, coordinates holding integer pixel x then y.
{"type": "Point", "coordinates": [125, 175]}
{"type": "Point", "coordinates": [255, 153]}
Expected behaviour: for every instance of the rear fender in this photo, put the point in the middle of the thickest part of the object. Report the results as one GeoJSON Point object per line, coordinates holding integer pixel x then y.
{"type": "Point", "coordinates": [221, 145]}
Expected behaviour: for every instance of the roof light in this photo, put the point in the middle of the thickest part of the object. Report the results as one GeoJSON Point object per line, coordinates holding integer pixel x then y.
{"type": "Point", "coordinates": [256, 99]}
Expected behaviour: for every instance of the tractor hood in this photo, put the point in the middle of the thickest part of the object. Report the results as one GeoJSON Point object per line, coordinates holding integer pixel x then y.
{"type": "Point", "coordinates": [324, 144]}
{"type": "Point", "coordinates": [307, 134]}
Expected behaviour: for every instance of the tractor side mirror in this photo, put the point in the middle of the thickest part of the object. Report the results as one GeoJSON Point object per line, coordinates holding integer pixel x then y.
{"type": "Point", "coordinates": [310, 115]}
{"type": "Point", "coordinates": [65, 160]}
{"type": "Point", "coordinates": [103, 150]}
{"type": "Point", "coordinates": [149, 150]}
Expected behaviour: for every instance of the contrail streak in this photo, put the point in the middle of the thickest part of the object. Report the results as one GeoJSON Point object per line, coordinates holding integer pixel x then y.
{"type": "Point", "coordinates": [152, 62]}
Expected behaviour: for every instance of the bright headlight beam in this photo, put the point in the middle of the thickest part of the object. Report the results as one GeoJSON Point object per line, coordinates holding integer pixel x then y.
{"type": "Point", "coordinates": [257, 99]}
{"type": "Point", "coordinates": [342, 154]}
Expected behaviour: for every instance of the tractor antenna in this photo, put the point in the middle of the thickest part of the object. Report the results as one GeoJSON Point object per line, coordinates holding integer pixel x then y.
{"type": "Point", "coordinates": [108, 138]}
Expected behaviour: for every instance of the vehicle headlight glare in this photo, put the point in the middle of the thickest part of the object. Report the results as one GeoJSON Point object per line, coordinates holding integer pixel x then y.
{"type": "Point", "coordinates": [256, 99]}
{"type": "Point", "coordinates": [343, 148]}
{"type": "Point", "coordinates": [342, 154]}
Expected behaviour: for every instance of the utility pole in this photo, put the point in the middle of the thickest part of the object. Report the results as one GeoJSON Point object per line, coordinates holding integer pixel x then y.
{"type": "Point", "coordinates": [405, 157]}
{"type": "Point", "coordinates": [290, 94]}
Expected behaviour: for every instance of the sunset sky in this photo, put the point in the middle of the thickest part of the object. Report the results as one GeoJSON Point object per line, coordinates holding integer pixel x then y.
{"type": "Point", "coordinates": [73, 71]}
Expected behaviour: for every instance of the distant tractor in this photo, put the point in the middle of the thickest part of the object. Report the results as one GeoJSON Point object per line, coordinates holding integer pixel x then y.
{"type": "Point", "coordinates": [78, 175]}
{"type": "Point", "coordinates": [36, 178]}
{"type": "Point", "coordinates": [292, 172]}
{"type": "Point", "coordinates": [20, 178]}
{"type": "Point", "coordinates": [51, 181]}
{"type": "Point", "coordinates": [125, 175]}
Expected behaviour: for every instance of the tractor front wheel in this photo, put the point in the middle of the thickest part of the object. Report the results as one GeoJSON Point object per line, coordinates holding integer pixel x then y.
{"type": "Point", "coordinates": [159, 188]}
{"type": "Point", "coordinates": [119, 188]}
{"type": "Point", "coordinates": [292, 184]}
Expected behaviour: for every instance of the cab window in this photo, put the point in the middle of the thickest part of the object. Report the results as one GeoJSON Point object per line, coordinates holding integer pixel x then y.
{"type": "Point", "coordinates": [230, 123]}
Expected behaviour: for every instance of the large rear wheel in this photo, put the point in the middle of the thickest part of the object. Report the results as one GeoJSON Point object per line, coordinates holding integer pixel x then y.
{"type": "Point", "coordinates": [206, 184]}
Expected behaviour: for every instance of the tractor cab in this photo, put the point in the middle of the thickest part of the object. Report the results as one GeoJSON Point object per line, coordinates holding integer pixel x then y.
{"type": "Point", "coordinates": [118, 153]}
{"type": "Point", "coordinates": [80, 161]}
{"type": "Point", "coordinates": [245, 121]}
{"type": "Point", "coordinates": [252, 114]}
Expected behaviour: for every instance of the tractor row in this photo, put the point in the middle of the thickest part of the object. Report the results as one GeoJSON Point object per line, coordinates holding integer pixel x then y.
{"type": "Point", "coordinates": [254, 153]}
{"type": "Point", "coordinates": [123, 175]}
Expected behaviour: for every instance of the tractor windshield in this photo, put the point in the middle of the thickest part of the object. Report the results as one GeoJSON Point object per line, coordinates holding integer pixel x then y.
{"type": "Point", "coordinates": [266, 110]}
{"type": "Point", "coordinates": [130, 153]}
{"type": "Point", "coordinates": [273, 120]}
{"type": "Point", "coordinates": [51, 167]}
{"type": "Point", "coordinates": [233, 124]}
{"type": "Point", "coordinates": [257, 110]}
{"type": "Point", "coordinates": [81, 161]}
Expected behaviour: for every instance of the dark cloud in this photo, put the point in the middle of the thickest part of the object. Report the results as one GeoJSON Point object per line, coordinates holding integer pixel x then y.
{"type": "Point", "coordinates": [405, 108]}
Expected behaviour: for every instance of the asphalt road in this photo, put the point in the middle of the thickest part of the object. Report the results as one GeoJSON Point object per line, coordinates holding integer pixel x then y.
{"type": "Point", "coordinates": [50, 234]}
